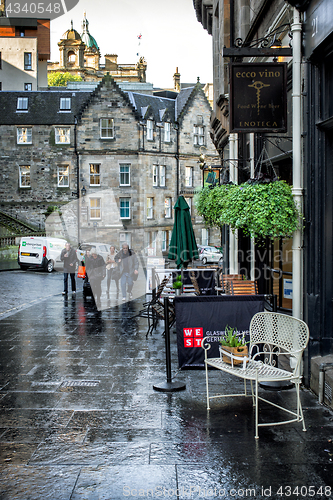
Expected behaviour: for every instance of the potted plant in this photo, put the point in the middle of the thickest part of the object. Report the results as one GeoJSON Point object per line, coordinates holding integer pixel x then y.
{"type": "Point", "coordinates": [233, 349]}
{"type": "Point", "coordinates": [177, 284]}
{"type": "Point", "coordinates": [261, 209]}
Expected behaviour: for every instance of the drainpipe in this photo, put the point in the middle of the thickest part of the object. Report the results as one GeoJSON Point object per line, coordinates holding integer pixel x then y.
{"type": "Point", "coordinates": [177, 160]}
{"type": "Point", "coordinates": [233, 245]}
{"type": "Point", "coordinates": [77, 181]}
{"type": "Point", "coordinates": [322, 368]}
{"type": "Point", "coordinates": [252, 247]}
{"type": "Point", "coordinates": [296, 29]}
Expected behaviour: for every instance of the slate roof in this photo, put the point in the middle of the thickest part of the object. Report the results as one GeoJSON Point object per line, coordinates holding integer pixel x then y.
{"type": "Point", "coordinates": [182, 99]}
{"type": "Point", "coordinates": [156, 104]}
{"type": "Point", "coordinates": [152, 104]}
{"type": "Point", "coordinates": [43, 107]}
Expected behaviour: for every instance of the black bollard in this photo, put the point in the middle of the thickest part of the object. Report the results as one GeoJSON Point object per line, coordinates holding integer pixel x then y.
{"type": "Point", "coordinates": [168, 386]}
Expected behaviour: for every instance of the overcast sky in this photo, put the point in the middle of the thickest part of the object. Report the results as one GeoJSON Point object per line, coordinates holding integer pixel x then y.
{"type": "Point", "coordinates": [171, 36]}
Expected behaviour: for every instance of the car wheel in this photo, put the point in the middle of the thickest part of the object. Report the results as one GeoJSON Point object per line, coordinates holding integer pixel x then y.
{"type": "Point", "coordinates": [204, 260]}
{"type": "Point", "coordinates": [50, 266]}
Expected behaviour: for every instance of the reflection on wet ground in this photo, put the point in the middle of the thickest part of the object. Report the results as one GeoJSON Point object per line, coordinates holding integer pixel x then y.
{"type": "Point", "coordinates": [79, 418]}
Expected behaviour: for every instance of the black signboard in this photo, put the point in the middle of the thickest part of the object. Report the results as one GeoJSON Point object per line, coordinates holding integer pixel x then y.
{"type": "Point", "coordinates": [258, 97]}
{"type": "Point", "coordinates": [198, 317]}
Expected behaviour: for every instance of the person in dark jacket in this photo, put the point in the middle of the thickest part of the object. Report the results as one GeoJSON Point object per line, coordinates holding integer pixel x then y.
{"type": "Point", "coordinates": [129, 269]}
{"type": "Point", "coordinates": [69, 258]}
{"type": "Point", "coordinates": [96, 271]}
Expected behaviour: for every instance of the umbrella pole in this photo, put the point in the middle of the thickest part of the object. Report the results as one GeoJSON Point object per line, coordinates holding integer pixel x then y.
{"type": "Point", "coordinates": [168, 386]}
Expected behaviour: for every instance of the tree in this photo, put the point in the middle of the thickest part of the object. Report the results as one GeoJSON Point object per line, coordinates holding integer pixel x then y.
{"type": "Point", "coordinates": [59, 79]}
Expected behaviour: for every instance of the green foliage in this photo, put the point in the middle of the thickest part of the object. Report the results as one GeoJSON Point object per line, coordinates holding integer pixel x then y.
{"type": "Point", "coordinates": [231, 339]}
{"type": "Point", "coordinates": [178, 283]}
{"type": "Point", "coordinates": [51, 209]}
{"type": "Point", "coordinates": [59, 79]}
{"type": "Point", "coordinates": [261, 210]}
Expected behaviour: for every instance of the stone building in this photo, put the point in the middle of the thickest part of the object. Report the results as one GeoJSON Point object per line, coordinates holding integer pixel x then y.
{"type": "Point", "coordinates": [300, 34]}
{"type": "Point", "coordinates": [80, 55]}
{"type": "Point", "coordinates": [114, 162]}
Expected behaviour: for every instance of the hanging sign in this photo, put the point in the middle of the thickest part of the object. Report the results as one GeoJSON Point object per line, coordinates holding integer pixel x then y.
{"type": "Point", "coordinates": [258, 97]}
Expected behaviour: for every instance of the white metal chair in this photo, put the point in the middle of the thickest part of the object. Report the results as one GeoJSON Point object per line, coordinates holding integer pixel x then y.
{"type": "Point", "coordinates": [275, 340]}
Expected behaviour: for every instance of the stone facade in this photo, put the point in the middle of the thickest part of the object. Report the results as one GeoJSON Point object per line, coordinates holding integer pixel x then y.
{"type": "Point", "coordinates": [133, 154]}
{"type": "Point", "coordinates": [80, 56]}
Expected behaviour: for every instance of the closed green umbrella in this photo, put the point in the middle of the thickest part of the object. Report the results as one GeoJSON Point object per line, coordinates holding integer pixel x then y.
{"type": "Point", "coordinates": [183, 248]}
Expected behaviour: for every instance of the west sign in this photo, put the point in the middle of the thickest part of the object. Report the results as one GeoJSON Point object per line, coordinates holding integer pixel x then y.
{"type": "Point", "coordinates": [258, 97]}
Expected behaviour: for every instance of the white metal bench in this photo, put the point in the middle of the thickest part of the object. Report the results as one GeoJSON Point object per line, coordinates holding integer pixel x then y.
{"type": "Point", "coordinates": [275, 339]}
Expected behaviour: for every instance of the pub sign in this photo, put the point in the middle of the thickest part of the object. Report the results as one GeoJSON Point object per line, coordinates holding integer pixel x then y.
{"type": "Point", "coordinates": [258, 97]}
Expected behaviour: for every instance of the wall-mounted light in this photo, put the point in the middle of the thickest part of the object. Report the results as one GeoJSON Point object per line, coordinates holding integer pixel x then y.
{"type": "Point", "coordinates": [83, 191]}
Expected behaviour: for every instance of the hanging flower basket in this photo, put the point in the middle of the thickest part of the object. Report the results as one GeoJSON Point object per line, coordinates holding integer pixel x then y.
{"type": "Point", "coordinates": [260, 209]}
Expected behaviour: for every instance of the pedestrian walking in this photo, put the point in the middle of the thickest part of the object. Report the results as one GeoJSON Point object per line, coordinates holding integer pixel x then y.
{"type": "Point", "coordinates": [112, 271]}
{"type": "Point", "coordinates": [129, 269]}
{"type": "Point", "coordinates": [69, 258]}
{"type": "Point", "coordinates": [96, 271]}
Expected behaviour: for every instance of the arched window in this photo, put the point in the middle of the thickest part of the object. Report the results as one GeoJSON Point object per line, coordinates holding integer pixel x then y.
{"type": "Point", "coordinates": [71, 57]}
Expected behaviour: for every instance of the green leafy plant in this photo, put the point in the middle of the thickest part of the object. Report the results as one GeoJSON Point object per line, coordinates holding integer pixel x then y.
{"type": "Point", "coordinates": [59, 79]}
{"type": "Point", "coordinates": [178, 283]}
{"type": "Point", "coordinates": [231, 339]}
{"type": "Point", "coordinates": [262, 210]}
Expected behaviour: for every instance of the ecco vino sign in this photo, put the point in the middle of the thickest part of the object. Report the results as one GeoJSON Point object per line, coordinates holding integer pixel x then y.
{"type": "Point", "coordinates": [258, 97]}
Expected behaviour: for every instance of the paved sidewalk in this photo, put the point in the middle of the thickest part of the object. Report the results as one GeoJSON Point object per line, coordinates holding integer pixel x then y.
{"type": "Point", "coordinates": [79, 418]}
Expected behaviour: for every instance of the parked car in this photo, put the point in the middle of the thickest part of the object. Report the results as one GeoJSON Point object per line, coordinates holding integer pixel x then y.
{"type": "Point", "coordinates": [40, 252]}
{"type": "Point", "coordinates": [210, 254]}
{"type": "Point", "coordinates": [101, 248]}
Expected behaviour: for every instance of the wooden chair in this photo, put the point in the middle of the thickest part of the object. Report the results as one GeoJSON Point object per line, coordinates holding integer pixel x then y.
{"type": "Point", "coordinates": [273, 336]}
{"type": "Point", "coordinates": [243, 287]}
{"type": "Point", "coordinates": [192, 288]}
{"type": "Point", "coordinates": [225, 282]}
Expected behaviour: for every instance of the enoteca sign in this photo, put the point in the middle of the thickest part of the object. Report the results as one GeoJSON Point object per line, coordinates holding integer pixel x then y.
{"type": "Point", "coordinates": [258, 97]}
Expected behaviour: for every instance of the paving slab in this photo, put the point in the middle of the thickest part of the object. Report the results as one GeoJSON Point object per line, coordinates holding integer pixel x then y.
{"type": "Point", "coordinates": [79, 418]}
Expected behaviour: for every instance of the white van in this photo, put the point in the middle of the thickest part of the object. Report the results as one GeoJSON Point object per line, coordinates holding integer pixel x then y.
{"type": "Point", "coordinates": [40, 252]}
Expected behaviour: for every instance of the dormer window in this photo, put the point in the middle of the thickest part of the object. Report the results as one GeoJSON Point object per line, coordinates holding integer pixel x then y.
{"type": "Point", "coordinates": [22, 104]}
{"type": "Point", "coordinates": [150, 130]}
{"type": "Point", "coordinates": [65, 103]}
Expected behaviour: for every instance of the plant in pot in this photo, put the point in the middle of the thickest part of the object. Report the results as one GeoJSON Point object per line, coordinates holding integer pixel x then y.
{"type": "Point", "coordinates": [177, 284]}
{"type": "Point", "coordinates": [260, 208]}
{"type": "Point", "coordinates": [233, 348]}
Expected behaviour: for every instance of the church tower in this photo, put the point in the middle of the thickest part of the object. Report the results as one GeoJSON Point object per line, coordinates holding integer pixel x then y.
{"type": "Point", "coordinates": [91, 53]}
{"type": "Point", "coordinates": [71, 50]}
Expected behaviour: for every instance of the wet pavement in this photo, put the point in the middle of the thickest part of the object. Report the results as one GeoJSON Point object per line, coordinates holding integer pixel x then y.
{"type": "Point", "coordinates": [79, 418]}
